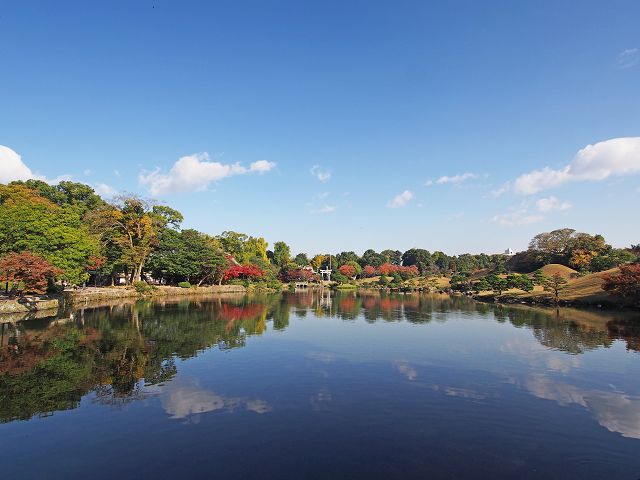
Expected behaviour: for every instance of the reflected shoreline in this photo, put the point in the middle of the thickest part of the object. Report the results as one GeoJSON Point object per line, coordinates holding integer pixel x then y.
{"type": "Point", "coordinates": [119, 350]}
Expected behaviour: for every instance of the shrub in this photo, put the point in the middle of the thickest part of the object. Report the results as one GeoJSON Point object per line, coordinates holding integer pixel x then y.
{"type": "Point", "coordinates": [143, 288]}
{"type": "Point", "coordinates": [184, 285]}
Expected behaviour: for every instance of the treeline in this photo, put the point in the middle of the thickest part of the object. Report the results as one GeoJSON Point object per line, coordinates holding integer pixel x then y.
{"type": "Point", "coordinates": [66, 232]}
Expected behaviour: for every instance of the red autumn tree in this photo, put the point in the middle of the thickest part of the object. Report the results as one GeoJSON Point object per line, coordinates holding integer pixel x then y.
{"type": "Point", "coordinates": [30, 270]}
{"type": "Point", "coordinates": [625, 284]}
{"type": "Point", "coordinates": [242, 271]}
{"type": "Point", "coordinates": [369, 271]}
{"type": "Point", "coordinates": [299, 275]}
{"type": "Point", "coordinates": [348, 271]}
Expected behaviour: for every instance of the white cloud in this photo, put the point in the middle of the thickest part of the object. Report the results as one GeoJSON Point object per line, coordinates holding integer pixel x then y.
{"type": "Point", "coordinates": [105, 190]}
{"type": "Point", "coordinates": [629, 58]}
{"type": "Point", "coordinates": [324, 209]}
{"type": "Point", "coordinates": [261, 166]}
{"type": "Point", "coordinates": [196, 172]}
{"type": "Point", "coordinates": [401, 200]}
{"type": "Point", "coordinates": [320, 174]}
{"type": "Point", "coordinates": [13, 168]}
{"type": "Point", "coordinates": [551, 203]}
{"type": "Point", "coordinates": [455, 178]}
{"type": "Point", "coordinates": [617, 156]}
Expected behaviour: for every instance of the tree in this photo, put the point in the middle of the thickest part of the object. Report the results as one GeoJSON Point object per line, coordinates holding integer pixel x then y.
{"type": "Point", "coordinates": [132, 225]}
{"type": "Point", "coordinates": [370, 257]}
{"type": "Point", "coordinates": [521, 282]}
{"type": "Point", "coordinates": [392, 256]}
{"type": "Point", "coordinates": [554, 246]}
{"type": "Point", "coordinates": [301, 260]}
{"type": "Point", "coordinates": [281, 254]}
{"type": "Point", "coordinates": [345, 257]}
{"type": "Point", "coordinates": [30, 222]}
{"type": "Point", "coordinates": [626, 283]}
{"type": "Point", "coordinates": [347, 271]}
{"type": "Point", "coordinates": [555, 285]}
{"type": "Point", "coordinates": [420, 258]}
{"type": "Point", "coordinates": [481, 285]}
{"type": "Point", "coordinates": [32, 271]}
{"type": "Point", "coordinates": [498, 284]}
{"type": "Point", "coordinates": [369, 271]}
{"type": "Point", "coordinates": [317, 261]}
{"type": "Point", "coordinates": [243, 271]}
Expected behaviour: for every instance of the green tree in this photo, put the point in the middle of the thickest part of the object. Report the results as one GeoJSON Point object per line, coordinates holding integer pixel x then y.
{"type": "Point", "coordinates": [30, 222]}
{"type": "Point", "coordinates": [281, 254]}
{"type": "Point", "coordinates": [555, 285]}
{"type": "Point", "coordinates": [301, 260]}
{"type": "Point", "coordinates": [420, 258]}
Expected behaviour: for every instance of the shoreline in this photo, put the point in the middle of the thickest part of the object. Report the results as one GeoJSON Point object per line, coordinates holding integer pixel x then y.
{"type": "Point", "coordinates": [36, 305]}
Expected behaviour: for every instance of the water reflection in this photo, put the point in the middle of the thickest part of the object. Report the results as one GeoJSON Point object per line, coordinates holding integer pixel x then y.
{"type": "Point", "coordinates": [125, 352]}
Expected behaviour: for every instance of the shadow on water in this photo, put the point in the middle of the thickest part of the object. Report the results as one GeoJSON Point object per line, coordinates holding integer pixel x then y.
{"type": "Point", "coordinates": [115, 351]}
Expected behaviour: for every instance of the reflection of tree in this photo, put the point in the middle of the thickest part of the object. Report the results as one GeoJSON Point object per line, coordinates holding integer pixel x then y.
{"type": "Point", "coordinates": [116, 350]}
{"type": "Point", "coordinates": [57, 381]}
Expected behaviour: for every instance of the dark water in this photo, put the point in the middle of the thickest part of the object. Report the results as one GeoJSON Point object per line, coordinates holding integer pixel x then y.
{"type": "Point", "coordinates": [305, 386]}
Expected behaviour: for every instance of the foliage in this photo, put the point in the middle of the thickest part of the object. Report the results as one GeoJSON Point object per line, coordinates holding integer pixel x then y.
{"type": "Point", "coordinates": [300, 275]}
{"type": "Point", "coordinates": [132, 226]}
{"type": "Point", "coordinates": [281, 254]}
{"type": "Point", "coordinates": [243, 271]}
{"type": "Point", "coordinates": [555, 284]}
{"type": "Point", "coordinates": [348, 271]}
{"type": "Point", "coordinates": [301, 259]}
{"type": "Point", "coordinates": [31, 271]}
{"type": "Point", "coordinates": [420, 258]}
{"type": "Point", "coordinates": [30, 222]}
{"type": "Point", "coordinates": [184, 284]}
{"type": "Point", "coordinates": [626, 283]}
{"type": "Point", "coordinates": [369, 271]}
{"type": "Point", "coordinates": [142, 287]}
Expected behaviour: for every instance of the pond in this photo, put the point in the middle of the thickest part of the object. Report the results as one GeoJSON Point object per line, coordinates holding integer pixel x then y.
{"type": "Point", "coordinates": [321, 385]}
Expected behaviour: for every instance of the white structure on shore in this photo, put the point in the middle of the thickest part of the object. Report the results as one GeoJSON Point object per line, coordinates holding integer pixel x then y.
{"type": "Point", "coordinates": [508, 251]}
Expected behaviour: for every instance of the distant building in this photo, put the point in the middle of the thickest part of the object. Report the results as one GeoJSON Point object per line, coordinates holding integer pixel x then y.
{"type": "Point", "coordinates": [508, 251]}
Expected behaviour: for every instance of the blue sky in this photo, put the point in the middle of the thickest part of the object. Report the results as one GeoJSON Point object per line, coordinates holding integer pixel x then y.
{"type": "Point", "coordinates": [336, 125]}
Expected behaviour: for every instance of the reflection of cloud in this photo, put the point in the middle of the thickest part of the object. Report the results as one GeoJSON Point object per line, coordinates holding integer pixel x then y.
{"type": "Point", "coordinates": [459, 392]}
{"type": "Point", "coordinates": [616, 412]}
{"type": "Point", "coordinates": [405, 369]}
{"type": "Point", "coordinates": [538, 356]}
{"type": "Point", "coordinates": [181, 401]}
{"type": "Point", "coordinates": [324, 357]}
{"type": "Point", "coordinates": [320, 399]}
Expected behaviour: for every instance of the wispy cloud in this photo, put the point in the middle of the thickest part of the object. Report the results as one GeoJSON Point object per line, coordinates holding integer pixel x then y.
{"type": "Point", "coordinates": [459, 178]}
{"type": "Point", "coordinates": [324, 209]}
{"type": "Point", "coordinates": [401, 199]}
{"type": "Point", "coordinates": [197, 172]}
{"type": "Point", "coordinates": [628, 58]}
{"type": "Point", "coordinates": [105, 190]}
{"type": "Point", "coordinates": [551, 203]}
{"type": "Point", "coordinates": [320, 173]}
{"type": "Point", "coordinates": [517, 216]}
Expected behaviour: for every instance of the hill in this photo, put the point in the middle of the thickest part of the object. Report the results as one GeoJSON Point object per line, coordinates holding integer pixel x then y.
{"type": "Point", "coordinates": [553, 268]}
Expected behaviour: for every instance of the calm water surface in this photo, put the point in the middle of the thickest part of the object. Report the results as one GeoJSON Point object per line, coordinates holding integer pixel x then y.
{"type": "Point", "coordinates": [306, 386]}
